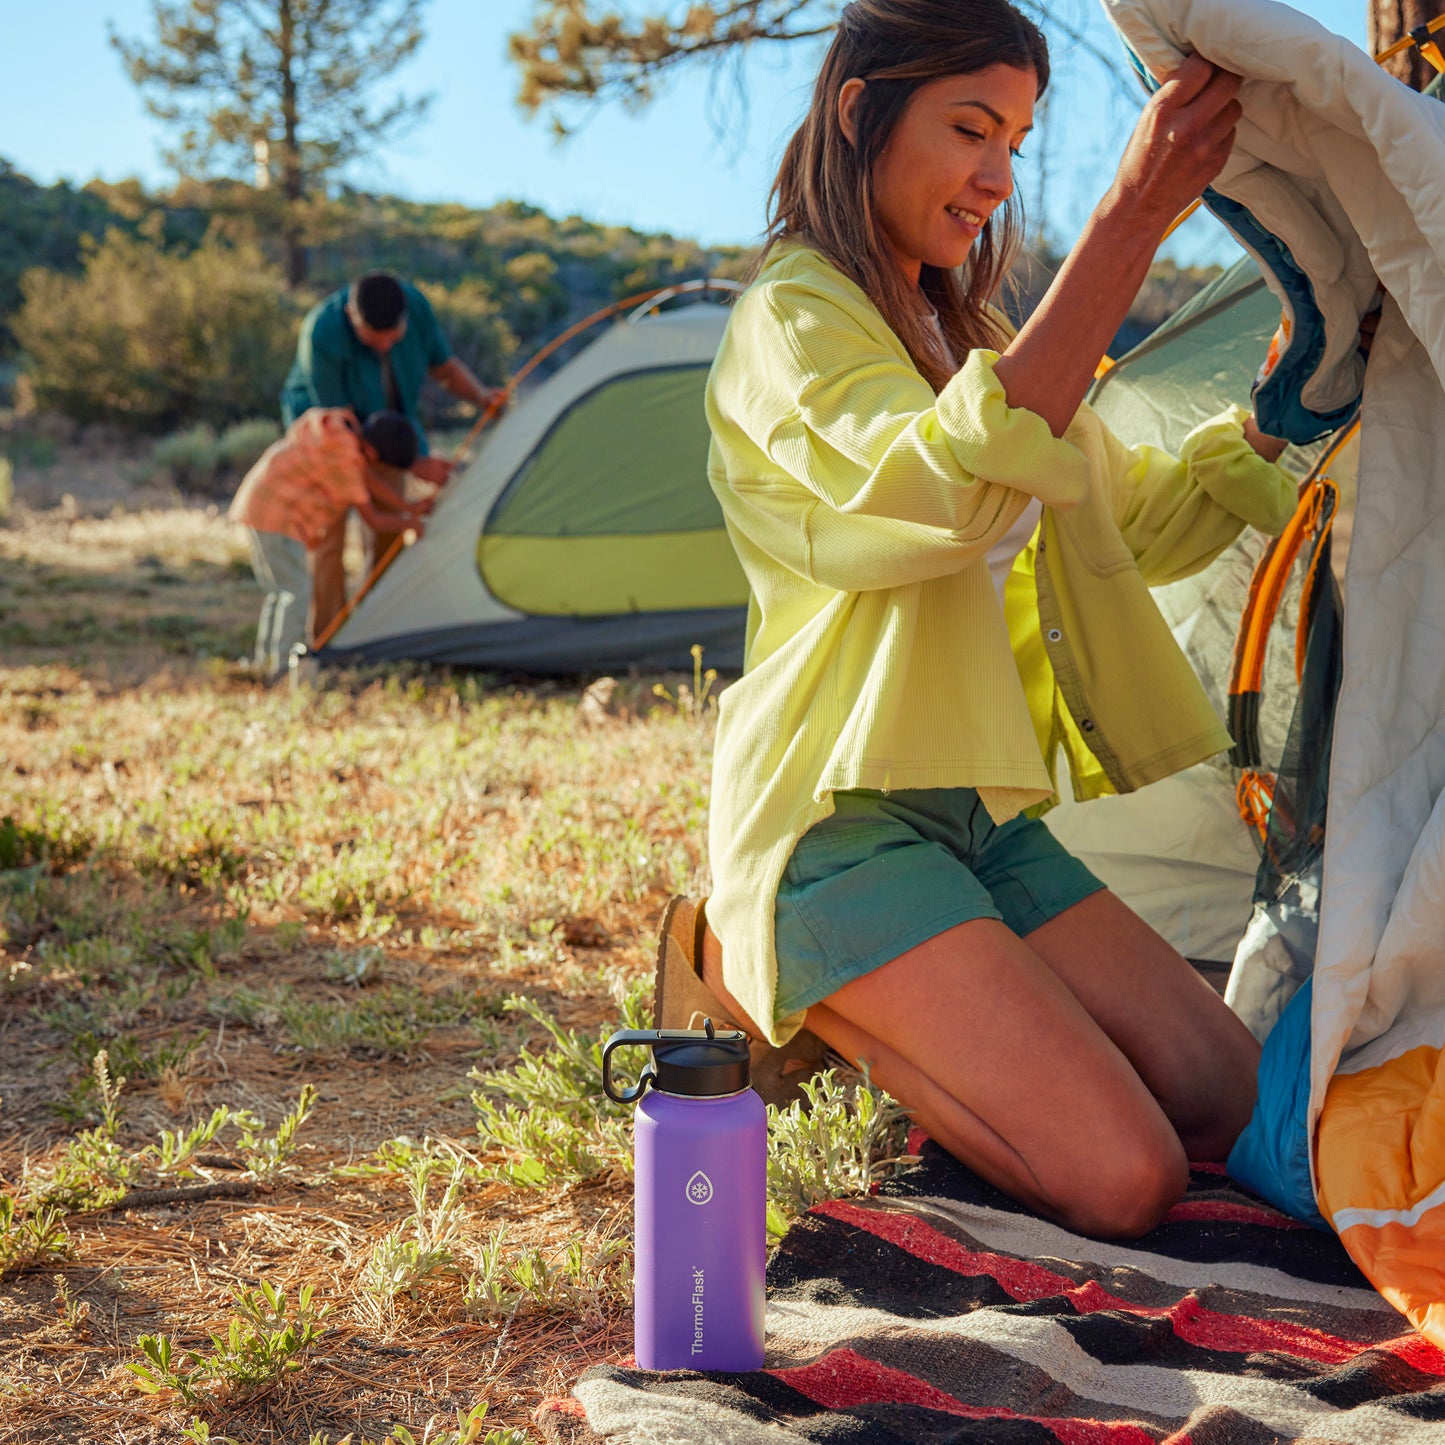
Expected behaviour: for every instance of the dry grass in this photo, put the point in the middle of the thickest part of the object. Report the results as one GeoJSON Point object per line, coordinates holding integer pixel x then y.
{"type": "Point", "coordinates": [236, 892]}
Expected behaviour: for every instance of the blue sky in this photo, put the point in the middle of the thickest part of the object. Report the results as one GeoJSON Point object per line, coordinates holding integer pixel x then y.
{"type": "Point", "coordinates": [68, 110]}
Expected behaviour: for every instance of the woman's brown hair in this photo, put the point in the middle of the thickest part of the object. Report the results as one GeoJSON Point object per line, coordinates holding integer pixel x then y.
{"type": "Point", "coordinates": [823, 194]}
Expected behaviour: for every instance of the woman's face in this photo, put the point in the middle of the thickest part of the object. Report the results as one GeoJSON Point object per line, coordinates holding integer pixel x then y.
{"type": "Point", "coordinates": [949, 162]}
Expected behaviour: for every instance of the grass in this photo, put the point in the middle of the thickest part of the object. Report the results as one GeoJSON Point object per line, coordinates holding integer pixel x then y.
{"type": "Point", "coordinates": [319, 979]}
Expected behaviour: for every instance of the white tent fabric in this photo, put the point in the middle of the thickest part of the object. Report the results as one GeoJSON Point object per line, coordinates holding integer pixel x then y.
{"type": "Point", "coordinates": [435, 585]}
{"type": "Point", "coordinates": [1347, 167]}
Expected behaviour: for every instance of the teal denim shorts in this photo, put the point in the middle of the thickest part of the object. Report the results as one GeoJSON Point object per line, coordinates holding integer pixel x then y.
{"type": "Point", "coordinates": [887, 871]}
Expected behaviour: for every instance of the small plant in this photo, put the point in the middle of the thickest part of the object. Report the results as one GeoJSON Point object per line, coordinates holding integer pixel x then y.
{"type": "Point", "coordinates": [470, 1424]}
{"type": "Point", "coordinates": [529, 1281]}
{"type": "Point", "coordinates": [692, 702]}
{"type": "Point", "coordinates": [264, 1342]}
{"type": "Point", "coordinates": [94, 1170]}
{"type": "Point", "coordinates": [74, 1313]}
{"type": "Point", "coordinates": [178, 1147]}
{"type": "Point", "coordinates": [405, 1258]}
{"type": "Point", "coordinates": [841, 1141]}
{"type": "Point", "coordinates": [268, 1158]}
{"type": "Point", "coordinates": [554, 1123]}
{"type": "Point", "coordinates": [30, 1240]}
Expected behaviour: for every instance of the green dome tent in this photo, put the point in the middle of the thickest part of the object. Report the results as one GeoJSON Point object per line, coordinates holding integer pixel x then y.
{"type": "Point", "coordinates": [585, 535]}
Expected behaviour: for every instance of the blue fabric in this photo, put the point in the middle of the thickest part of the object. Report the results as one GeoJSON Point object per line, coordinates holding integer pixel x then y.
{"type": "Point", "coordinates": [1272, 1156]}
{"type": "Point", "coordinates": [888, 871]}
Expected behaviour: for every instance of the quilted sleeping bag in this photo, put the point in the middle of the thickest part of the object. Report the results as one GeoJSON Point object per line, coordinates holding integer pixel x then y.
{"type": "Point", "coordinates": [1337, 186]}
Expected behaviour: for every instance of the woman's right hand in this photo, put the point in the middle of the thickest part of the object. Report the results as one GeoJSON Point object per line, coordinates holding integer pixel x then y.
{"type": "Point", "coordinates": [1180, 143]}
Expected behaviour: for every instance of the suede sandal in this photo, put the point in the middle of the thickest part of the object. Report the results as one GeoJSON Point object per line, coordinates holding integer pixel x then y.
{"type": "Point", "coordinates": [681, 1000]}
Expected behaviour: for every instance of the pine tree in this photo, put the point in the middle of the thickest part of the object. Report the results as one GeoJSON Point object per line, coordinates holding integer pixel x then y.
{"type": "Point", "coordinates": [582, 51]}
{"type": "Point", "coordinates": [281, 90]}
{"type": "Point", "coordinates": [1387, 21]}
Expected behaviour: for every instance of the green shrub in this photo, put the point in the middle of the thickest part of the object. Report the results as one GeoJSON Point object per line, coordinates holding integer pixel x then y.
{"type": "Point", "coordinates": [7, 487]}
{"type": "Point", "coordinates": [473, 321]}
{"type": "Point", "coordinates": [187, 459]}
{"type": "Point", "coordinates": [150, 339]}
{"type": "Point", "coordinates": [239, 447]}
{"type": "Point", "coordinates": [197, 460]}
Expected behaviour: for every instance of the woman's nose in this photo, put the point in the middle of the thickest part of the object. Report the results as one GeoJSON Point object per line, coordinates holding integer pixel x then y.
{"type": "Point", "coordinates": [995, 176]}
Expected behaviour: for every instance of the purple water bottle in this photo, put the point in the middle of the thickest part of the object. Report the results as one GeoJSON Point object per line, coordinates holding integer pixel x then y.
{"type": "Point", "coordinates": [700, 1143]}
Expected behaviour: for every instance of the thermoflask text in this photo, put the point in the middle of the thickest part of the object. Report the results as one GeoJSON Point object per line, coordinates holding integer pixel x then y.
{"type": "Point", "coordinates": [700, 1142]}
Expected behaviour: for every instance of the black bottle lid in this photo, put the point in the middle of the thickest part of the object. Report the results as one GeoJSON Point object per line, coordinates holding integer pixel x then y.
{"type": "Point", "coordinates": [694, 1063]}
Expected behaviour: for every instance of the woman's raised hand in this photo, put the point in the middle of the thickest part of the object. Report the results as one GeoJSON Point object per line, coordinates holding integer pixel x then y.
{"type": "Point", "coordinates": [1180, 143]}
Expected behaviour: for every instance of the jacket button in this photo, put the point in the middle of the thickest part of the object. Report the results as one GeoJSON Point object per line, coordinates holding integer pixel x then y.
{"type": "Point", "coordinates": [1086, 724]}
{"type": "Point", "coordinates": [1054, 634]}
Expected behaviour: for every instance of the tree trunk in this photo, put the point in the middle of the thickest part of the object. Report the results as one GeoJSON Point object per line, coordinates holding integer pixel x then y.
{"type": "Point", "coordinates": [1390, 20]}
{"type": "Point", "coordinates": [293, 186]}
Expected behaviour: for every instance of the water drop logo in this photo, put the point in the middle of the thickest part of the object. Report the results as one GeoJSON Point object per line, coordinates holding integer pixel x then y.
{"type": "Point", "coordinates": [699, 1188]}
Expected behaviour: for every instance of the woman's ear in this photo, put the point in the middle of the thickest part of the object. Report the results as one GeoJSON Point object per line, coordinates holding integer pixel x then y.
{"type": "Point", "coordinates": [848, 99]}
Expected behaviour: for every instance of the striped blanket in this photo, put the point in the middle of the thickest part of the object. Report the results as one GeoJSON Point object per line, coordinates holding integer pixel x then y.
{"type": "Point", "coordinates": [940, 1311]}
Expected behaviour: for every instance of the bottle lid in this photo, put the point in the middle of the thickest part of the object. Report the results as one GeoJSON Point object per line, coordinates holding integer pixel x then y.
{"type": "Point", "coordinates": [695, 1063]}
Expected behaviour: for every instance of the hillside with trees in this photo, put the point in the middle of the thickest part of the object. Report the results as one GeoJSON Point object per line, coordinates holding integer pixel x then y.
{"type": "Point", "coordinates": [155, 310]}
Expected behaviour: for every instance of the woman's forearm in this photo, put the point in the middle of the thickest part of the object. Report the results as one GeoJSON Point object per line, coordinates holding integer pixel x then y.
{"type": "Point", "coordinates": [1179, 145]}
{"type": "Point", "coordinates": [1050, 364]}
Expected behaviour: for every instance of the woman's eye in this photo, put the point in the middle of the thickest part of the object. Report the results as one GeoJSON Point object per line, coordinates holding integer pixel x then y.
{"type": "Point", "coordinates": [963, 130]}
{"type": "Point", "coordinates": [1018, 155]}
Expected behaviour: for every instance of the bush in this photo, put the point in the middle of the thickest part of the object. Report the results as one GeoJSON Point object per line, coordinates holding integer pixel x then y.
{"type": "Point", "coordinates": [198, 461]}
{"type": "Point", "coordinates": [152, 340]}
{"type": "Point", "coordinates": [472, 320]}
{"type": "Point", "coordinates": [239, 447]}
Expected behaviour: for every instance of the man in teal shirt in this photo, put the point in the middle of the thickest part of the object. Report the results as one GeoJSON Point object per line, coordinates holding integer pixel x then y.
{"type": "Point", "coordinates": [369, 346]}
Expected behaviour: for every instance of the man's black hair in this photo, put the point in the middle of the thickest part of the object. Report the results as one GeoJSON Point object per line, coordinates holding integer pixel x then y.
{"type": "Point", "coordinates": [379, 300]}
{"type": "Point", "coordinates": [393, 436]}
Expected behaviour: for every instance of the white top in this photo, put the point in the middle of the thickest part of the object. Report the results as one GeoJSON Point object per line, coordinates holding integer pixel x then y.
{"type": "Point", "coordinates": [1004, 553]}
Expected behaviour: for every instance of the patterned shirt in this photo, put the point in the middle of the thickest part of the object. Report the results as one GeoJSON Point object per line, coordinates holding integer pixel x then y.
{"type": "Point", "coordinates": [304, 483]}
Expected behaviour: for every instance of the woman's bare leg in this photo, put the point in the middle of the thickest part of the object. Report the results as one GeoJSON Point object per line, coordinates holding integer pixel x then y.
{"type": "Point", "coordinates": [1193, 1053]}
{"type": "Point", "coordinates": [1072, 1069]}
{"type": "Point", "coordinates": [999, 1062]}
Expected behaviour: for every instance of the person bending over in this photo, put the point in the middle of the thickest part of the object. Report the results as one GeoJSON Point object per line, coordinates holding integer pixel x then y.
{"type": "Point", "coordinates": [950, 558]}
{"type": "Point", "coordinates": [298, 494]}
{"type": "Point", "coordinates": [369, 346]}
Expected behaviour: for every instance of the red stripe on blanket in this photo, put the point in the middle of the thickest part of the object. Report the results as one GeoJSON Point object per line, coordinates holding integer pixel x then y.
{"type": "Point", "coordinates": [1228, 1213]}
{"type": "Point", "coordinates": [1024, 1280]}
{"type": "Point", "coordinates": [842, 1379]}
{"type": "Point", "coordinates": [1417, 1352]}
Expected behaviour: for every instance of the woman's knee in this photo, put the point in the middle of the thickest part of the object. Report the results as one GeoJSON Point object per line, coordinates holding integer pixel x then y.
{"type": "Point", "coordinates": [1126, 1191]}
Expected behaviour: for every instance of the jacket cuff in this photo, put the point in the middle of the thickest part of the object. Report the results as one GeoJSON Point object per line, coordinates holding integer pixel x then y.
{"type": "Point", "coordinates": [1236, 477]}
{"type": "Point", "coordinates": [996, 442]}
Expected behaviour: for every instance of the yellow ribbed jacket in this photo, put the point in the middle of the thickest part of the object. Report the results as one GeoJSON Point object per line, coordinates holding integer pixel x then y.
{"type": "Point", "coordinates": [862, 506]}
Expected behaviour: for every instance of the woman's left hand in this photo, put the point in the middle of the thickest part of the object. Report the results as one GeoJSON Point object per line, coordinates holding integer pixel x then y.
{"type": "Point", "coordinates": [1265, 445]}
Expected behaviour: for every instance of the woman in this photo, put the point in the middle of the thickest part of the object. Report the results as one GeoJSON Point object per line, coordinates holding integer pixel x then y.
{"type": "Point", "coordinates": [950, 558]}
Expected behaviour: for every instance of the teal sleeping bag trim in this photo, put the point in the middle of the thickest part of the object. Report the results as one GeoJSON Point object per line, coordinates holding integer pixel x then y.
{"type": "Point", "coordinates": [1278, 404]}
{"type": "Point", "coordinates": [1272, 1156]}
